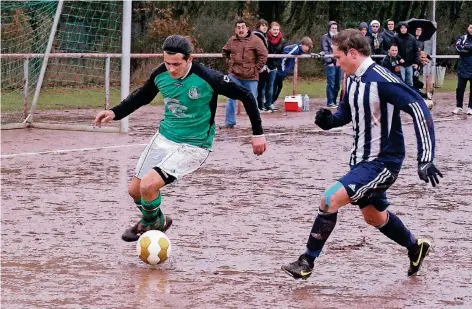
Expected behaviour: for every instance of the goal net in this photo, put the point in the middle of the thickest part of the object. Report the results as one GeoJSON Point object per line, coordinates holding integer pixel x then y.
{"type": "Point", "coordinates": [74, 87]}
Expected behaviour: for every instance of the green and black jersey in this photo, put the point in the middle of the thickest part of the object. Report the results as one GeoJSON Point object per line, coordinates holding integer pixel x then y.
{"type": "Point", "coordinates": [190, 103]}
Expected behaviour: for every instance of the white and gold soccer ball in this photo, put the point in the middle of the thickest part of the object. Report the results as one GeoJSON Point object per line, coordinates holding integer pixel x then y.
{"type": "Point", "coordinates": [153, 247]}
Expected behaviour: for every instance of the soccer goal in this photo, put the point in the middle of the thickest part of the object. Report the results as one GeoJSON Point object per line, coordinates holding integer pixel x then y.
{"type": "Point", "coordinates": [62, 61]}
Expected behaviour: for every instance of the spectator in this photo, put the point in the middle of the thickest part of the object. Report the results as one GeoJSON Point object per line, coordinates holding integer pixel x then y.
{"type": "Point", "coordinates": [376, 40]}
{"type": "Point", "coordinates": [245, 55]}
{"type": "Point", "coordinates": [392, 61]}
{"type": "Point", "coordinates": [276, 46]}
{"type": "Point", "coordinates": [287, 64]}
{"type": "Point", "coordinates": [261, 32]}
{"type": "Point", "coordinates": [464, 70]}
{"type": "Point", "coordinates": [419, 42]}
{"type": "Point", "coordinates": [408, 51]}
{"type": "Point", "coordinates": [418, 85]}
{"type": "Point", "coordinates": [387, 35]}
{"type": "Point", "coordinates": [333, 72]}
{"type": "Point", "coordinates": [364, 28]}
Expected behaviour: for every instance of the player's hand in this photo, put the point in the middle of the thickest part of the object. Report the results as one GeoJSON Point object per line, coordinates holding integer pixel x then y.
{"type": "Point", "coordinates": [324, 119]}
{"type": "Point", "coordinates": [428, 172]}
{"type": "Point", "coordinates": [259, 144]}
{"type": "Point", "coordinates": [103, 117]}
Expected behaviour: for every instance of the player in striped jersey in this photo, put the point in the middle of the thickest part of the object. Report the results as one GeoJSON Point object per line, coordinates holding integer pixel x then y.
{"type": "Point", "coordinates": [372, 102]}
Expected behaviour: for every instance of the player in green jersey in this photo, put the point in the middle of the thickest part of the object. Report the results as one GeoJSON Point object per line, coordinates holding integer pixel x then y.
{"type": "Point", "coordinates": [186, 133]}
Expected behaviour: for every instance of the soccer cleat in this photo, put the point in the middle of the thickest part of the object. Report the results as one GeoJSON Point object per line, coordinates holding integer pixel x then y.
{"type": "Point", "coordinates": [417, 255]}
{"type": "Point", "coordinates": [457, 111]}
{"type": "Point", "coordinates": [133, 233]}
{"type": "Point", "coordinates": [469, 111]}
{"type": "Point", "coordinates": [299, 269]}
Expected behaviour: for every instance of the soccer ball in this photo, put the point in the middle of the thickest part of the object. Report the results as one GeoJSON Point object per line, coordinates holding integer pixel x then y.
{"type": "Point", "coordinates": [153, 247]}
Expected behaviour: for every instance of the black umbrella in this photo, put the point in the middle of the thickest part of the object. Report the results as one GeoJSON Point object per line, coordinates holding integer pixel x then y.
{"type": "Point", "coordinates": [427, 26]}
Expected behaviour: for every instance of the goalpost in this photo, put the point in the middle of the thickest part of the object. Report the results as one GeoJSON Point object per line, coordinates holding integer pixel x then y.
{"type": "Point", "coordinates": [62, 61]}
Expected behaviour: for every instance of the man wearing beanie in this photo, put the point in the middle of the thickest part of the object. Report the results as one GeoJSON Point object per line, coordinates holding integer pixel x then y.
{"type": "Point", "coordinates": [364, 28]}
{"type": "Point", "coordinates": [408, 51]}
{"type": "Point", "coordinates": [333, 72]}
{"type": "Point", "coordinates": [376, 40]}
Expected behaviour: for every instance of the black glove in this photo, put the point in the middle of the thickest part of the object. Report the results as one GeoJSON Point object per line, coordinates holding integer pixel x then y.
{"type": "Point", "coordinates": [324, 119]}
{"type": "Point", "coordinates": [428, 172]}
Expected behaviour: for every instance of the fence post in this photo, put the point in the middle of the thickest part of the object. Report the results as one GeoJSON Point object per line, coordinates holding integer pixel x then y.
{"type": "Point", "coordinates": [125, 59]}
{"type": "Point", "coordinates": [25, 87]}
{"type": "Point", "coordinates": [107, 83]}
{"type": "Point", "coordinates": [295, 76]}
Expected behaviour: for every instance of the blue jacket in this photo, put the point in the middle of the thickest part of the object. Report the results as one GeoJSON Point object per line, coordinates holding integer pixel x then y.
{"type": "Point", "coordinates": [287, 64]}
{"type": "Point", "coordinates": [464, 48]}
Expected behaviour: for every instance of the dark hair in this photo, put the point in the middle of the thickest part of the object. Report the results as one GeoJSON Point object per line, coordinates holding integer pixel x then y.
{"type": "Point", "coordinates": [306, 40]}
{"type": "Point", "coordinates": [393, 44]}
{"type": "Point", "coordinates": [239, 21]}
{"type": "Point", "coordinates": [261, 22]}
{"type": "Point", "coordinates": [352, 38]}
{"type": "Point", "coordinates": [177, 44]}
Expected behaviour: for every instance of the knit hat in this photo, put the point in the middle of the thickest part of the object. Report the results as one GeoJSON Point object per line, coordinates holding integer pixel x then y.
{"type": "Point", "coordinates": [363, 25]}
{"type": "Point", "coordinates": [374, 22]}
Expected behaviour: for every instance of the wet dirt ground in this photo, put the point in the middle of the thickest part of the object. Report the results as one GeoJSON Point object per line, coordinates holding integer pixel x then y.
{"type": "Point", "coordinates": [236, 221]}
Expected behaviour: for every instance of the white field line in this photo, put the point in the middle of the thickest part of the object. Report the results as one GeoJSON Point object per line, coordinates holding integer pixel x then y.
{"type": "Point", "coordinates": [21, 154]}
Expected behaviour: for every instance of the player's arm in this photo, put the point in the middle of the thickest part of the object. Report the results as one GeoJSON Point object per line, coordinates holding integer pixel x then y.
{"type": "Point", "coordinates": [139, 97]}
{"type": "Point", "coordinates": [223, 85]}
{"type": "Point", "coordinates": [326, 120]}
{"type": "Point", "coordinates": [409, 101]}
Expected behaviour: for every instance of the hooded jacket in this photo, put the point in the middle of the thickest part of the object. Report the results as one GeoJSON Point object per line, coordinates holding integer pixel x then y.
{"type": "Point", "coordinates": [327, 45]}
{"type": "Point", "coordinates": [407, 46]}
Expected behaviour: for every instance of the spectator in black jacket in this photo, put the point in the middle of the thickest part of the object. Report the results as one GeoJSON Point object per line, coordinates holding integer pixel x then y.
{"type": "Point", "coordinates": [387, 35]}
{"type": "Point", "coordinates": [392, 61]}
{"type": "Point", "coordinates": [464, 70]}
{"type": "Point", "coordinates": [408, 51]}
{"type": "Point", "coordinates": [276, 45]}
{"type": "Point", "coordinates": [419, 42]}
{"type": "Point", "coordinates": [261, 32]}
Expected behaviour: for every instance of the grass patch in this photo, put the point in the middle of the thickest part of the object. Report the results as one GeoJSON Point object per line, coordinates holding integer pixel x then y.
{"type": "Point", "coordinates": [83, 98]}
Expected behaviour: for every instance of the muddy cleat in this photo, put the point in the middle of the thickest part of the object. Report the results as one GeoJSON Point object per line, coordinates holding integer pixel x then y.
{"type": "Point", "coordinates": [417, 255]}
{"type": "Point", "coordinates": [133, 233]}
{"type": "Point", "coordinates": [299, 269]}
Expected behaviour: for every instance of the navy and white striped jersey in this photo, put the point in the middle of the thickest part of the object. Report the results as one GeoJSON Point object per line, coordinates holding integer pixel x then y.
{"type": "Point", "coordinates": [372, 101]}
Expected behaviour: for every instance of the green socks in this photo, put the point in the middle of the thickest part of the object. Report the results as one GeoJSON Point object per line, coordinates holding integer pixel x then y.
{"type": "Point", "coordinates": [151, 211]}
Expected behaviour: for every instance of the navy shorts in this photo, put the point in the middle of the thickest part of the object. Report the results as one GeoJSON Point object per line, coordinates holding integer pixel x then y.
{"type": "Point", "coordinates": [367, 182]}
